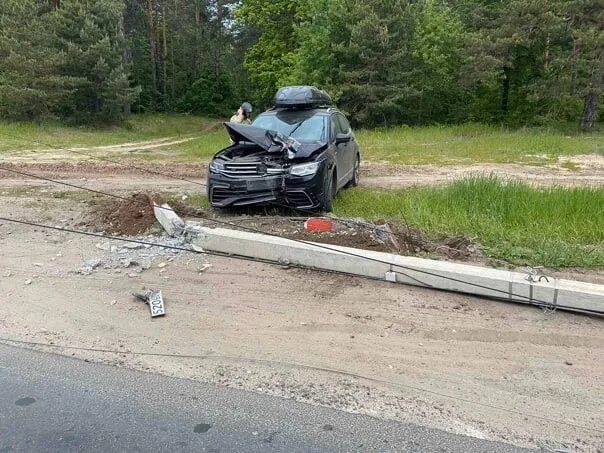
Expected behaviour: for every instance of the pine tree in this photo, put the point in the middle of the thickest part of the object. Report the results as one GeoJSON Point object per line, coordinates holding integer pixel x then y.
{"type": "Point", "coordinates": [31, 84]}
{"type": "Point", "coordinates": [376, 64]}
{"type": "Point", "coordinates": [90, 34]}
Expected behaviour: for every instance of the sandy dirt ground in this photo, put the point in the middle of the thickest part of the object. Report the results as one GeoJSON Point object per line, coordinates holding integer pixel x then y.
{"type": "Point", "coordinates": [468, 365]}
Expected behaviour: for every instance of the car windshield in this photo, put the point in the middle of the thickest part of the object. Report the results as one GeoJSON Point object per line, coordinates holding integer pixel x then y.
{"type": "Point", "coordinates": [302, 126]}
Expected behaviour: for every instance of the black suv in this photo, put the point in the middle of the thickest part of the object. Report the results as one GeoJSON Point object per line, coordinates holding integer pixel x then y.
{"type": "Point", "coordinates": [299, 154]}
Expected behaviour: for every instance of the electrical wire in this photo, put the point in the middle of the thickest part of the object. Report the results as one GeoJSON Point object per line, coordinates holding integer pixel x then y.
{"type": "Point", "coordinates": [167, 175]}
{"type": "Point", "coordinates": [393, 266]}
{"type": "Point", "coordinates": [104, 159]}
{"type": "Point", "coordinates": [7, 341]}
{"type": "Point", "coordinates": [220, 222]}
{"type": "Point", "coordinates": [535, 302]}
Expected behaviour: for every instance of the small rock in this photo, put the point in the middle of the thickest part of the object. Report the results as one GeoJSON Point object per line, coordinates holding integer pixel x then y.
{"type": "Point", "coordinates": [133, 275]}
{"type": "Point", "coordinates": [94, 263]}
{"type": "Point", "coordinates": [59, 255]}
{"type": "Point", "coordinates": [113, 302]}
{"type": "Point", "coordinates": [204, 268]}
{"type": "Point", "coordinates": [161, 265]}
{"type": "Point", "coordinates": [132, 245]}
{"type": "Point", "coordinates": [103, 246]}
{"type": "Point", "coordinates": [567, 362]}
{"type": "Point", "coordinates": [28, 281]}
{"type": "Point", "coordinates": [8, 274]}
{"type": "Point", "coordinates": [184, 198]}
{"type": "Point", "coordinates": [38, 264]}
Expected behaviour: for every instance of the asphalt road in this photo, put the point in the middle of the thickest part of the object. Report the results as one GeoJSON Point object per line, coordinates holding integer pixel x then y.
{"type": "Point", "coordinates": [51, 403]}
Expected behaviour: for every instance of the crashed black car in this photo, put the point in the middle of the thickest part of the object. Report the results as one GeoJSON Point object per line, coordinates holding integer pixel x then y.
{"type": "Point", "coordinates": [299, 154]}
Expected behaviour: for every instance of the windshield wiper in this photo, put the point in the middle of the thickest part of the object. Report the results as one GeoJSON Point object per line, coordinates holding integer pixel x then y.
{"type": "Point", "coordinates": [296, 128]}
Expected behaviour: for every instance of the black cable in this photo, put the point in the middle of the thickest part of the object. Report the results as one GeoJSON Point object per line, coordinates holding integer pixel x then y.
{"type": "Point", "coordinates": [220, 222]}
{"type": "Point", "coordinates": [184, 249]}
{"type": "Point", "coordinates": [98, 192]}
{"type": "Point", "coordinates": [534, 302]}
{"type": "Point", "coordinates": [254, 230]}
{"type": "Point", "coordinates": [300, 366]}
{"type": "Point", "coordinates": [104, 159]}
{"type": "Point", "coordinates": [508, 294]}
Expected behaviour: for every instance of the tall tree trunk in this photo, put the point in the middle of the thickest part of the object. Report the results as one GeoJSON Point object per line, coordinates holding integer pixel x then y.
{"type": "Point", "coordinates": [126, 58]}
{"type": "Point", "coordinates": [546, 57]}
{"type": "Point", "coordinates": [164, 53]}
{"type": "Point", "coordinates": [505, 91]}
{"type": "Point", "coordinates": [173, 43]}
{"type": "Point", "coordinates": [152, 46]}
{"type": "Point", "coordinates": [591, 106]}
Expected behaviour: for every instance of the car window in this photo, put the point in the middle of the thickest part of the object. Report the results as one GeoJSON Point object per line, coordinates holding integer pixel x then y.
{"type": "Point", "coordinates": [302, 127]}
{"type": "Point", "coordinates": [335, 127]}
{"type": "Point", "coordinates": [343, 123]}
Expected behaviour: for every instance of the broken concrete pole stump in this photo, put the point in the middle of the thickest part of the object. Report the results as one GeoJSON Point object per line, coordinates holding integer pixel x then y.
{"type": "Point", "coordinates": [169, 220]}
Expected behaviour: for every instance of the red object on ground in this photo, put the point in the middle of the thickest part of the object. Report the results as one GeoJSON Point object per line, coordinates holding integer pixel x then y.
{"type": "Point", "coordinates": [319, 225]}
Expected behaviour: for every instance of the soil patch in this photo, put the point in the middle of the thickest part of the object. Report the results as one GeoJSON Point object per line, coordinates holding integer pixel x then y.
{"type": "Point", "coordinates": [383, 236]}
{"type": "Point", "coordinates": [129, 217]}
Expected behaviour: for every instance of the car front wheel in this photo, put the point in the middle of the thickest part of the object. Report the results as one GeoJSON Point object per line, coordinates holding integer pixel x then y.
{"type": "Point", "coordinates": [329, 192]}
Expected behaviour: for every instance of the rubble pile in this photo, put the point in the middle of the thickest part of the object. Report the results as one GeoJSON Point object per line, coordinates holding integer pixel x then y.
{"type": "Point", "coordinates": [134, 257]}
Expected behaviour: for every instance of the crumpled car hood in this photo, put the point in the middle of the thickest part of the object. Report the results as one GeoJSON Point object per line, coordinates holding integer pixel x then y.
{"type": "Point", "coordinates": [271, 141]}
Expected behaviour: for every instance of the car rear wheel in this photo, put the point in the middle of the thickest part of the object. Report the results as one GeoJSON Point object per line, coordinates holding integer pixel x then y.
{"type": "Point", "coordinates": [329, 192]}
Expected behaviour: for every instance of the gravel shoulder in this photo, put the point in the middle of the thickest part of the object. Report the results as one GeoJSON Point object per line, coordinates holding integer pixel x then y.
{"type": "Point", "coordinates": [487, 369]}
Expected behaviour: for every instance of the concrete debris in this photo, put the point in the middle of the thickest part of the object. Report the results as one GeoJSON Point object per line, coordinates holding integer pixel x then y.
{"type": "Point", "coordinates": [28, 281]}
{"type": "Point", "coordinates": [205, 267]}
{"type": "Point", "coordinates": [90, 266]}
{"type": "Point", "coordinates": [137, 258]}
{"type": "Point", "coordinates": [103, 246]}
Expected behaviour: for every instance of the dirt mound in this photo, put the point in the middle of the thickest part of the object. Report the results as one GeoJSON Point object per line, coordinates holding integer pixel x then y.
{"type": "Point", "coordinates": [129, 217]}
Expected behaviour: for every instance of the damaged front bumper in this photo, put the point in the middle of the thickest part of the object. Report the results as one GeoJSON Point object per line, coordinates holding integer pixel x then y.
{"type": "Point", "coordinates": [304, 192]}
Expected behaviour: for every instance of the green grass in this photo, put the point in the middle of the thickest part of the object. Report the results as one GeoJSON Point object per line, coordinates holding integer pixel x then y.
{"type": "Point", "coordinates": [472, 143]}
{"type": "Point", "coordinates": [515, 222]}
{"type": "Point", "coordinates": [438, 145]}
{"type": "Point", "coordinates": [24, 136]}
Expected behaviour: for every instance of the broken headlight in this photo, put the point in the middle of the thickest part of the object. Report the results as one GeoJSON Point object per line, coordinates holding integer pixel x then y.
{"type": "Point", "coordinates": [304, 169]}
{"type": "Point", "coordinates": [216, 167]}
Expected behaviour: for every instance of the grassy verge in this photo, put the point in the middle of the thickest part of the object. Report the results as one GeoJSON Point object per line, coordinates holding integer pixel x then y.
{"type": "Point", "coordinates": [472, 143]}
{"type": "Point", "coordinates": [556, 227]}
{"type": "Point", "coordinates": [439, 145]}
{"type": "Point", "coordinates": [23, 136]}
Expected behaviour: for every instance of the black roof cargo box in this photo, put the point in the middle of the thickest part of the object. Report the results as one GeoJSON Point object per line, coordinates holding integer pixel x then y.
{"type": "Point", "coordinates": [301, 97]}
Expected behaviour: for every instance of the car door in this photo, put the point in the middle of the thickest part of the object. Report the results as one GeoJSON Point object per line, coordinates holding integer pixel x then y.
{"type": "Point", "coordinates": [349, 148]}
{"type": "Point", "coordinates": [340, 150]}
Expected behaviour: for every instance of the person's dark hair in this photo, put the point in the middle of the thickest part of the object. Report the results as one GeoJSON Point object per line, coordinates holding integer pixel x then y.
{"type": "Point", "coordinates": [246, 108]}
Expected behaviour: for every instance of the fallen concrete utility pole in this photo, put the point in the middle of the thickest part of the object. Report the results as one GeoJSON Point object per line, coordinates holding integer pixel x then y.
{"type": "Point", "coordinates": [442, 275]}
{"type": "Point", "coordinates": [498, 284]}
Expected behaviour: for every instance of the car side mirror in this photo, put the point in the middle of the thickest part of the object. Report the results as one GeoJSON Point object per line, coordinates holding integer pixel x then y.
{"type": "Point", "coordinates": [343, 138]}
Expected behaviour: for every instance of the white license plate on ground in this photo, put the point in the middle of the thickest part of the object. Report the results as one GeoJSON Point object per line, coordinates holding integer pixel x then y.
{"type": "Point", "coordinates": [156, 303]}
